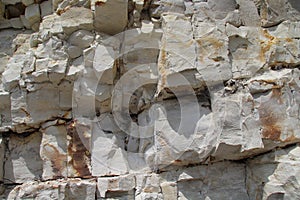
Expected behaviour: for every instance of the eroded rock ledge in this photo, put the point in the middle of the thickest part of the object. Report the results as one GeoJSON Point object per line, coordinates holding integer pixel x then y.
{"type": "Point", "coordinates": [156, 99]}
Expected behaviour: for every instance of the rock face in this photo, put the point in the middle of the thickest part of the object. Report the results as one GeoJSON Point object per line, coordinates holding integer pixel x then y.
{"type": "Point", "coordinates": [161, 99]}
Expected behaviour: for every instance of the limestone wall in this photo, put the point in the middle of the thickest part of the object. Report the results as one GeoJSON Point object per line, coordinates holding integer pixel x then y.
{"type": "Point", "coordinates": [150, 99]}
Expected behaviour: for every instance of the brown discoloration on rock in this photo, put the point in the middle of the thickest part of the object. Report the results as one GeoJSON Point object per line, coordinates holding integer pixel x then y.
{"type": "Point", "coordinates": [25, 111]}
{"type": "Point", "coordinates": [177, 162]}
{"type": "Point", "coordinates": [61, 11]}
{"type": "Point", "coordinates": [291, 138]}
{"type": "Point", "coordinates": [270, 118]}
{"type": "Point", "coordinates": [113, 183]}
{"type": "Point", "coordinates": [289, 39]}
{"type": "Point", "coordinates": [272, 132]}
{"type": "Point", "coordinates": [99, 3]}
{"type": "Point", "coordinates": [265, 46]}
{"type": "Point", "coordinates": [57, 159]}
{"type": "Point", "coordinates": [208, 43]}
{"type": "Point", "coordinates": [79, 154]}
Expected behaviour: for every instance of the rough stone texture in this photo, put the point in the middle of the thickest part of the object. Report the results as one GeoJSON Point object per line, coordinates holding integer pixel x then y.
{"type": "Point", "coordinates": [46, 8]}
{"type": "Point", "coordinates": [110, 16]}
{"type": "Point", "coordinates": [195, 100]}
{"type": "Point", "coordinates": [70, 21]}
{"type": "Point", "coordinates": [32, 13]}
{"type": "Point", "coordinates": [54, 152]}
{"type": "Point", "coordinates": [274, 175]}
{"type": "Point", "coordinates": [22, 159]}
{"type": "Point", "coordinates": [81, 38]}
{"type": "Point", "coordinates": [58, 189]}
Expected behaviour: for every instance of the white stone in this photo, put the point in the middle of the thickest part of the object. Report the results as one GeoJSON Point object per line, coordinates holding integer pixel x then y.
{"type": "Point", "coordinates": [56, 189]}
{"type": "Point", "coordinates": [115, 184]}
{"type": "Point", "coordinates": [221, 8]}
{"type": "Point", "coordinates": [70, 22]}
{"type": "Point", "coordinates": [183, 132]}
{"type": "Point", "coordinates": [209, 182]}
{"type": "Point", "coordinates": [23, 163]}
{"type": "Point", "coordinates": [148, 183]}
{"type": "Point", "coordinates": [249, 14]}
{"type": "Point", "coordinates": [54, 152]}
{"type": "Point", "coordinates": [159, 7]}
{"type": "Point", "coordinates": [103, 64]}
{"type": "Point", "coordinates": [274, 12]}
{"type": "Point", "coordinates": [287, 29]}
{"type": "Point", "coordinates": [12, 74]}
{"type": "Point", "coordinates": [246, 50]}
{"type": "Point", "coordinates": [274, 175]}
{"type": "Point", "coordinates": [51, 23]}
{"type": "Point", "coordinates": [107, 157]}
{"type": "Point", "coordinates": [41, 97]}
{"type": "Point", "coordinates": [81, 189]}
{"type": "Point", "coordinates": [169, 190]}
{"type": "Point", "coordinates": [81, 38]}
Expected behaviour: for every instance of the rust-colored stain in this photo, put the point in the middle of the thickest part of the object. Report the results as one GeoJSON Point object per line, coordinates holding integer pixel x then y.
{"type": "Point", "coordinates": [176, 162]}
{"type": "Point", "coordinates": [66, 114]}
{"type": "Point", "coordinates": [206, 44]}
{"type": "Point", "coordinates": [25, 111]}
{"type": "Point", "coordinates": [58, 160]}
{"type": "Point", "coordinates": [291, 138]}
{"type": "Point", "coordinates": [113, 183]}
{"type": "Point", "coordinates": [99, 3]}
{"type": "Point", "coordinates": [80, 157]}
{"type": "Point", "coordinates": [265, 46]}
{"type": "Point", "coordinates": [61, 11]}
{"type": "Point", "coordinates": [270, 118]}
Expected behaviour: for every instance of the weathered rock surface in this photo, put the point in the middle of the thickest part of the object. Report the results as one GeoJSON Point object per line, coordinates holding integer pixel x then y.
{"type": "Point", "coordinates": [59, 189]}
{"type": "Point", "coordinates": [274, 175]}
{"type": "Point", "coordinates": [111, 16]}
{"type": "Point", "coordinates": [162, 99]}
{"type": "Point", "coordinates": [22, 160]}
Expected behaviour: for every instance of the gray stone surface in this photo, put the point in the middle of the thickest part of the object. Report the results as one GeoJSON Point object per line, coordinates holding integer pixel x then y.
{"type": "Point", "coordinates": [22, 159]}
{"type": "Point", "coordinates": [32, 13]}
{"type": "Point", "coordinates": [110, 16]}
{"type": "Point", "coordinates": [188, 100]}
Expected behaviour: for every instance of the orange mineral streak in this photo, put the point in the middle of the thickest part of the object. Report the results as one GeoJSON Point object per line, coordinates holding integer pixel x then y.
{"type": "Point", "coordinates": [80, 158]}
{"type": "Point", "coordinates": [58, 160]}
{"type": "Point", "coordinates": [269, 118]}
{"type": "Point", "coordinates": [265, 46]}
{"type": "Point", "coordinates": [99, 3]}
{"type": "Point", "coordinates": [205, 44]}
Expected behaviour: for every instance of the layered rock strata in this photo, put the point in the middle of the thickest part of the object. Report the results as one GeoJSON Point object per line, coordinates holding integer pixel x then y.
{"type": "Point", "coordinates": [160, 99]}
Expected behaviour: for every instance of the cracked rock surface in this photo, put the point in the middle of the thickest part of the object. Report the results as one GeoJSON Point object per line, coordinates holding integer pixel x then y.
{"type": "Point", "coordinates": [150, 99]}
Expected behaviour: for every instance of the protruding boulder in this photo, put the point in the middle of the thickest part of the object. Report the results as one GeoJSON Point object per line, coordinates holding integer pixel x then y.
{"type": "Point", "coordinates": [111, 16]}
